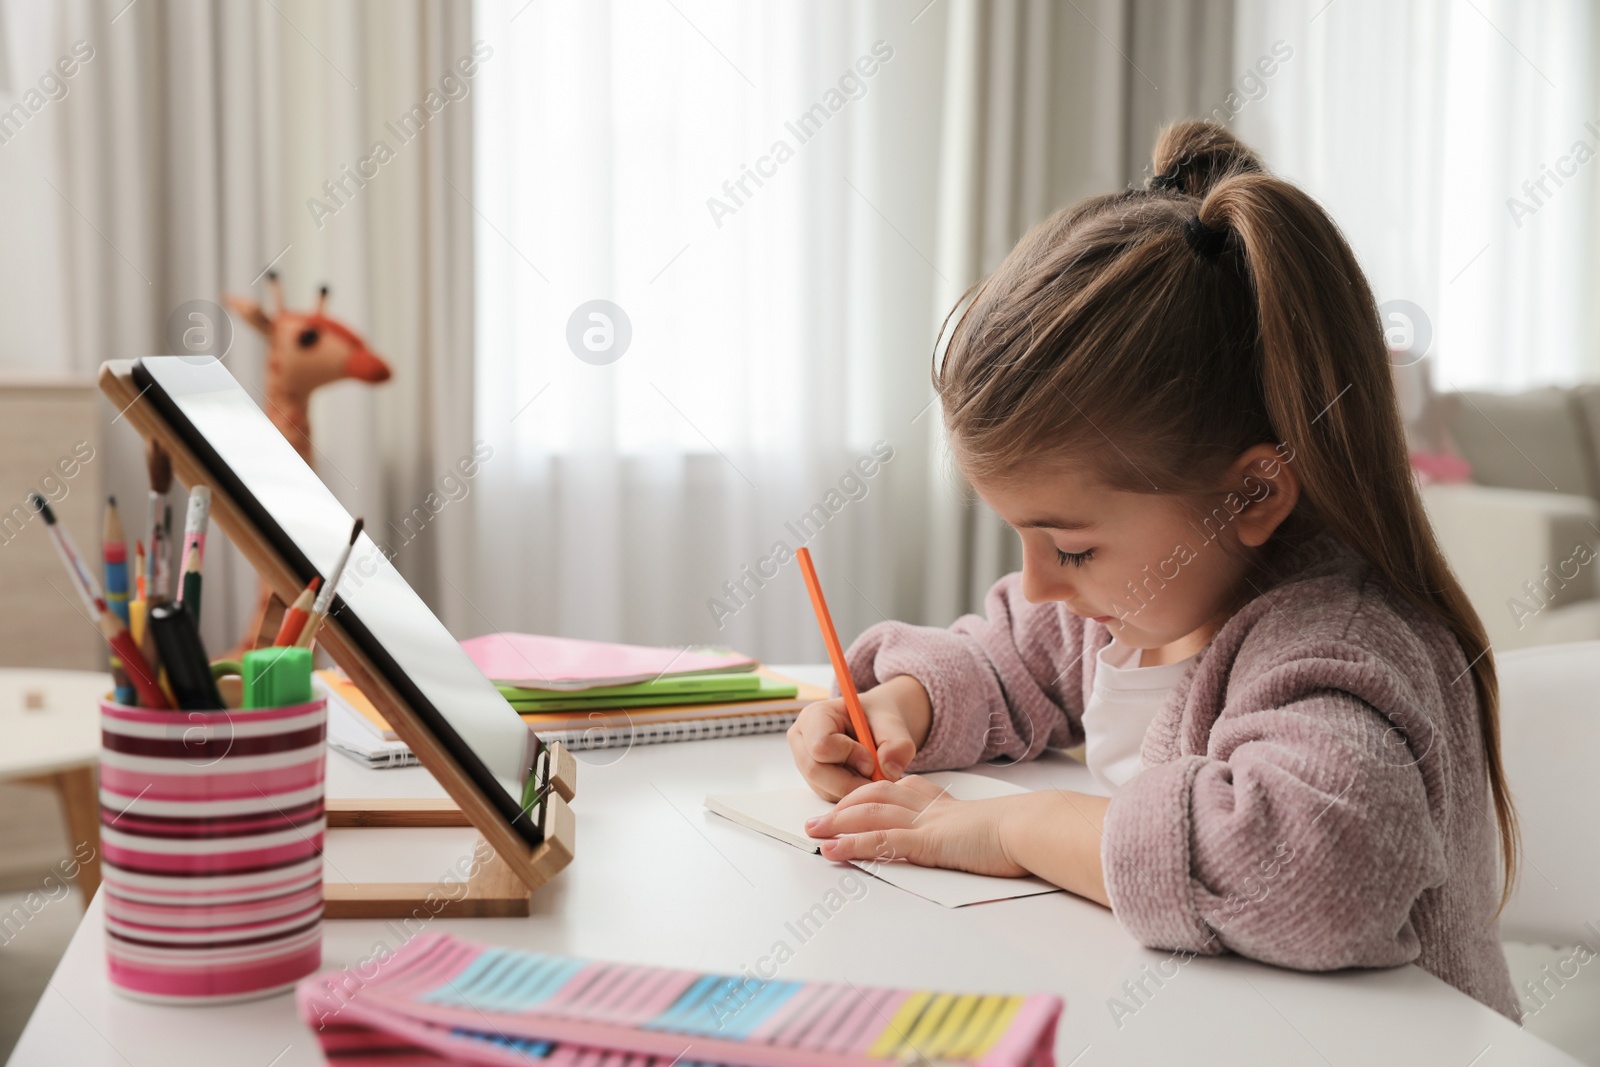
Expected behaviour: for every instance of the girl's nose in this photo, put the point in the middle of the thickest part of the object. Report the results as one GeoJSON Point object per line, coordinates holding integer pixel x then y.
{"type": "Point", "coordinates": [1042, 581]}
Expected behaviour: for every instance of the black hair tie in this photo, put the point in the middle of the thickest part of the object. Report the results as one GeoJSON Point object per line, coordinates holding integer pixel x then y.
{"type": "Point", "coordinates": [1208, 241]}
{"type": "Point", "coordinates": [1172, 180]}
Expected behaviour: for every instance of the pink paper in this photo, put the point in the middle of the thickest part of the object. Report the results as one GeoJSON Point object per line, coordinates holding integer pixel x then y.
{"type": "Point", "coordinates": [533, 661]}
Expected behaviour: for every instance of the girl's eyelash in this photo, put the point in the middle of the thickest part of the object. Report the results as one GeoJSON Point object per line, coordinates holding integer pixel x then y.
{"type": "Point", "coordinates": [1077, 559]}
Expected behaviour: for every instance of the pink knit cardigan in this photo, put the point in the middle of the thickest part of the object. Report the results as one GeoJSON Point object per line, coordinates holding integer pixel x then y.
{"type": "Point", "coordinates": [1314, 794]}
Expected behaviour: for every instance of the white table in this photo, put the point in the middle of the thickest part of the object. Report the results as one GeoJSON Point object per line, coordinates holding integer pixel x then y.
{"type": "Point", "coordinates": [659, 880]}
{"type": "Point", "coordinates": [50, 722]}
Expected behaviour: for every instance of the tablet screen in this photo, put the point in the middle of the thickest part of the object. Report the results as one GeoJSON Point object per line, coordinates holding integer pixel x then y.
{"type": "Point", "coordinates": [255, 465]}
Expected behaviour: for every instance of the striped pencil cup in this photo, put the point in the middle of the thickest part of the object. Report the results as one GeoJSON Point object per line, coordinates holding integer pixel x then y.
{"type": "Point", "coordinates": [211, 847]}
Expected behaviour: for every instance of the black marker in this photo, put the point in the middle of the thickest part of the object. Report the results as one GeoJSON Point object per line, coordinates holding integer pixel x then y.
{"type": "Point", "coordinates": [184, 657]}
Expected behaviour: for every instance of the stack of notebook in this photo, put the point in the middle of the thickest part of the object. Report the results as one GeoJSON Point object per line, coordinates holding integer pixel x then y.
{"type": "Point", "coordinates": [590, 694]}
{"type": "Point", "coordinates": [357, 729]}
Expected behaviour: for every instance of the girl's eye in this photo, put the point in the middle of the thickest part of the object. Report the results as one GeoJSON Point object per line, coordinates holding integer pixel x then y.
{"type": "Point", "coordinates": [1077, 559]}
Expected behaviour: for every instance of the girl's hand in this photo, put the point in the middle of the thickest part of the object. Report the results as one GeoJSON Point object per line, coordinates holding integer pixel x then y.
{"type": "Point", "coordinates": [834, 763]}
{"type": "Point", "coordinates": [913, 819]}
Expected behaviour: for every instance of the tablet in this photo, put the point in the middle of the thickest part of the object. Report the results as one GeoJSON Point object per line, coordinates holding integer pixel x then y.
{"type": "Point", "coordinates": [253, 462]}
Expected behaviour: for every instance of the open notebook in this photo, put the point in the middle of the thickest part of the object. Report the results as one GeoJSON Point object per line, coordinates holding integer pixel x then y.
{"type": "Point", "coordinates": [782, 814]}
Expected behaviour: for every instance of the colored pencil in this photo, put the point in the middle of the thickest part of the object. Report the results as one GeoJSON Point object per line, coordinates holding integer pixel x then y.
{"type": "Point", "coordinates": [139, 669]}
{"type": "Point", "coordinates": [294, 617]}
{"type": "Point", "coordinates": [146, 639]}
{"type": "Point", "coordinates": [139, 609]}
{"type": "Point", "coordinates": [194, 549]}
{"type": "Point", "coordinates": [114, 550]}
{"type": "Point", "coordinates": [138, 569]}
{"type": "Point", "coordinates": [139, 606]}
{"type": "Point", "coordinates": [114, 554]}
{"type": "Point", "coordinates": [189, 587]}
{"type": "Point", "coordinates": [841, 669]}
{"type": "Point", "coordinates": [324, 601]}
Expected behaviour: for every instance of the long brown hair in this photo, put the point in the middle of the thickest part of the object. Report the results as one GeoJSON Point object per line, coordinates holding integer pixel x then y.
{"type": "Point", "coordinates": [1157, 356]}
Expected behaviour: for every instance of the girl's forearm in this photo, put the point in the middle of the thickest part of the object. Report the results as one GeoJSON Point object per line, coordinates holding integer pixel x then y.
{"type": "Point", "coordinates": [1056, 834]}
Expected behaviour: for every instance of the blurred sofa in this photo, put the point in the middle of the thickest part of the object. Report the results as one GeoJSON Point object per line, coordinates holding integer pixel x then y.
{"type": "Point", "coordinates": [1524, 535]}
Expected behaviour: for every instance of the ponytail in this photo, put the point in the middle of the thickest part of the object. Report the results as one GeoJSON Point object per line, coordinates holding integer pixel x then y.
{"type": "Point", "coordinates": [1329, 395]}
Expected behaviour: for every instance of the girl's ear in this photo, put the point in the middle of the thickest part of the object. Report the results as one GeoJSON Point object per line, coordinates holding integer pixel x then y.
{"type": "Point", "coordinates": [1264, 475]}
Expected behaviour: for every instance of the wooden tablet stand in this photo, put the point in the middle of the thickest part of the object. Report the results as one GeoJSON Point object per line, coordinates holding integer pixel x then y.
{"type": "Point", "coordinates": [509, 869]}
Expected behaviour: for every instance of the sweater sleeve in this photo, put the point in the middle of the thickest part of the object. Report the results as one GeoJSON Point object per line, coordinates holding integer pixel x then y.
{"type": "Point", "coordinates": [1303, 836]}
{"type": "Point", "coordinates": [1006, 686]}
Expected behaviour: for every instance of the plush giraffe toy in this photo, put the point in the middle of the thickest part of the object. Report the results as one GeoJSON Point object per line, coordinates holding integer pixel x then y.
{"type": "Point", "coordinates": [305, 351]}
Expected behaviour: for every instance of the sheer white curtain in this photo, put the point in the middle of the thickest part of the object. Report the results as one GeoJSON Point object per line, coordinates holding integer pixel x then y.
{"type": "Point", "coordinates": [178, 162]}
{"type": "Point", "coordinates": [752, 185]}
{"type": "Point", "coordinates": [1417, 126]}
{"type": "Point", "coordinates": [781, 332]}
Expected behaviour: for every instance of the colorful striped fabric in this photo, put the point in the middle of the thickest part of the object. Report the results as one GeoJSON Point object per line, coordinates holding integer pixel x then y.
{"type": "Point", "coordinates": [211, 840]}
{"type": "Point", "coordinates": [443, 1000]}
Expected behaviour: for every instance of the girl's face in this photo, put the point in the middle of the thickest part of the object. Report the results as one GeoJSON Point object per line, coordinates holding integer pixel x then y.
{"type": "Point", "coordinates": [1160, 574]}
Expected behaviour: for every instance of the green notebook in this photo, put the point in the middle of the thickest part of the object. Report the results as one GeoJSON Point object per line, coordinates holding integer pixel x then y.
{"type": "Point", "coordinates": [692, 686]}
{"type": "Point", "coordinates": [762, 689]}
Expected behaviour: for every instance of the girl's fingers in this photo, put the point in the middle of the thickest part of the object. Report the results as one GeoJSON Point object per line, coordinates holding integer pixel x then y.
{"type": "Point", "coordinates": [860, 818]}
{"type": "Point", "coordinates": [886, 793]}
{"type": "Point", "coordinates": [877, 805]}
{"type": "Point", "coordinates": [822, 728]}
{"type": "Point", "coordinates": [895, 747]}
{"type": "Point", "coordinates": [924, 788]}
{"type": "Point", "coordinates": [817, 722]}
{"type": "Point", "coordinates": [828, 780]}
{"type": "Point", "coordinates": [893, 756]}
{"type": "Point", "coordinates": [880, 845]}
{"type": "Point", "coordinates": [832, 782]}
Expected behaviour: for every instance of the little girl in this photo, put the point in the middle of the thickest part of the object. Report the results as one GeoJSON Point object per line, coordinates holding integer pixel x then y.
{"type": "Point", "coordinates": [1180, 399]}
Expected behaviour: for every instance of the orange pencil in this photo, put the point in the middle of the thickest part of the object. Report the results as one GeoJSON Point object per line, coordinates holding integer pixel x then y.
{"type": "Point", "coordinates": [841, 670]}
{"type": "Point", "coordinates": [294, 619]}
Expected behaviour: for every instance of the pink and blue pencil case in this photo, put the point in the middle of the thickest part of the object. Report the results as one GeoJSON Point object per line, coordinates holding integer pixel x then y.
{"type": "Point", "coordinates": [443, 1000]}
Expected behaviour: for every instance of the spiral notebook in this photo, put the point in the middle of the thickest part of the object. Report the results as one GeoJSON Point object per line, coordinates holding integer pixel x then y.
{"type": "Point", "coordinates": [351, 733]}
{"type": "Point", "coordinates": [654, 733]}
{"type": "Point", "coordinates": [772, 710]}
{"type": "Point", "coordinates": [440, 1000]}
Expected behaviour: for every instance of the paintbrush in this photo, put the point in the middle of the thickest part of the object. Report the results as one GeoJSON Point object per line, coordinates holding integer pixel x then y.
{"type": "Point", "coordinates": [324, 602]}
{"type": "Point", "coordinates": [158, 523]}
